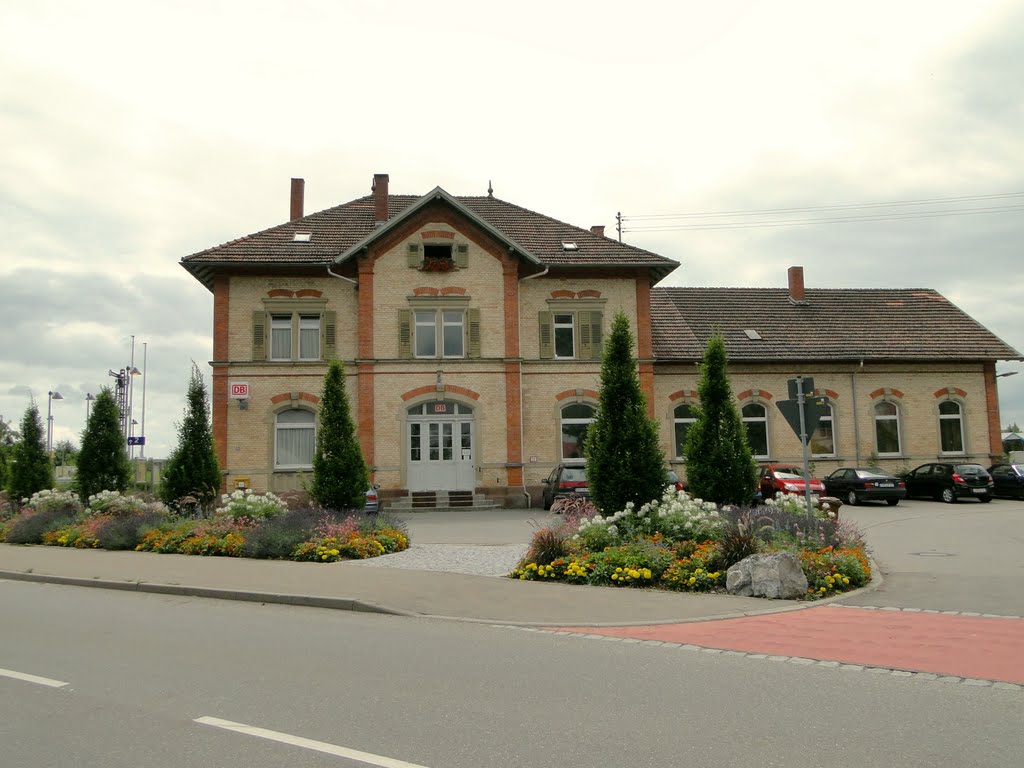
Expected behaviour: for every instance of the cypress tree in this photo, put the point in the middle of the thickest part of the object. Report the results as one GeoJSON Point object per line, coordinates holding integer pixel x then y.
{"type": "Point", "coordinates": [191, 469]}
{"type": "Point", "coordinates": [719, 463]}
{"type": "Point", "coordinates": [31, 469]}
{"type": "Point", "coordinates": [103, 461]}
{"type": "Point", "coordinates": [340, 476]}
{"type": "Point", "coordinates": [624, 461]}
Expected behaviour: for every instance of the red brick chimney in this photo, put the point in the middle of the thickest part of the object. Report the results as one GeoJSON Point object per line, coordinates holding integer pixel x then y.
{"type": "Point", "coordinates": [796, 285]}
{"type": "Point", "coordinates": [598, 229]}
{"type": "Point", "coordinates": [298, 191]}
{"type": "Point", "coordinates": [380, 197]}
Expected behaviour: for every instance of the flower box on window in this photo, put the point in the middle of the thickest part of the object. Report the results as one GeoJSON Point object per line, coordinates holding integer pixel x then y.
{"type": "Point", "coordinates": [431, 264]}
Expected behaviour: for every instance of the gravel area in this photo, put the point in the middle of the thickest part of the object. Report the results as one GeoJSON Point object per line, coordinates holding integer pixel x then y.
{"type": "Point", "coordinates": [476, 560]}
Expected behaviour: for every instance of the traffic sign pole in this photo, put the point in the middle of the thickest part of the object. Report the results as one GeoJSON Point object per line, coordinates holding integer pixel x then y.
{"type": "Point", "coordinates": [805, 442]}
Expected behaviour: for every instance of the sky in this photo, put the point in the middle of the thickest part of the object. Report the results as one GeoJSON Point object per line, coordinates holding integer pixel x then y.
{"type": "Point", "coordinates": [136, 133]}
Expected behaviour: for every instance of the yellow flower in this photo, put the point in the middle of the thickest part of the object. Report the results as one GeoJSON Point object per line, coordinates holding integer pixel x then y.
{"type": "Point", "coordinates": [618, 570]}
{"type": "Point", "coordinates": [846, 581]}
{"type": "Point", "coordinates": [615, 577]}
{"type": "Point", "coordinates": [634, 573]}
{"type": "Point", "coordinates": [692, 580]}
{"type": "Point", "coordinates": [822, 589]}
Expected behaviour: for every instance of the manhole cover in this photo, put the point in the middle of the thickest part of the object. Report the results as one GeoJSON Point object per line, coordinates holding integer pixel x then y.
{"type": "Point", "coordinates": [933, 554]}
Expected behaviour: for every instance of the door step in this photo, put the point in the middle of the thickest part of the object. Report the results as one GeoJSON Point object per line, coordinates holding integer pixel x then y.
{"type": "Point", "coordinates": [422, 501]}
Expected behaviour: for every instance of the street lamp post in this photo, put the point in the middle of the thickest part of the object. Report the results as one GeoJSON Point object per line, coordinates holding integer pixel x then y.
{"type": "Point", "coordinates": [89, 397]}
{"type": "Point", "coordinates": [51, 396]}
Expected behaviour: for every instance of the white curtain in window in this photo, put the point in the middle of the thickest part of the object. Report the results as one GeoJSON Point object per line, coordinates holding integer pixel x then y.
{"type": "Point", "coordinates": [309, 337]}
{"type": "Point", "coordinates": [281, 337]}
{"type": "Point", "coordinates": [295, 438]}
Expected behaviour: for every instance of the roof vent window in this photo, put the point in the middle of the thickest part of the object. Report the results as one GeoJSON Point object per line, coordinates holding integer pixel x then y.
{"type": "Point", "coordinates": [752, 334]}
{"type": "Point", "coordinates": [302, 237]}
{"type": "Point", "coordinates": [567, 246]}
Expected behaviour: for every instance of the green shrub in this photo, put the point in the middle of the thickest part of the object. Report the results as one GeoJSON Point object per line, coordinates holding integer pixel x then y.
{"type": "Point", "coordinates": [29, 526]}
{"type": "Point", "coordinates": [126, 531]}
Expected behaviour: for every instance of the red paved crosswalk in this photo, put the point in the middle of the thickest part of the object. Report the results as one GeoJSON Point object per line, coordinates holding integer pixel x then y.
{"type": "Point", "coordinates": [965, 646]}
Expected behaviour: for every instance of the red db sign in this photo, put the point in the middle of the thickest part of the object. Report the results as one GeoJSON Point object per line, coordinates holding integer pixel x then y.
{"type": "Point", "coordinates": [239, 390]}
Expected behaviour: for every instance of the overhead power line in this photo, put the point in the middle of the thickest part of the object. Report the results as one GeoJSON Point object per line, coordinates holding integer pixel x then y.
{"type": "Point", "coordinates": [835, 220]}
{"type": "Point", "coordinates": [862, 213]}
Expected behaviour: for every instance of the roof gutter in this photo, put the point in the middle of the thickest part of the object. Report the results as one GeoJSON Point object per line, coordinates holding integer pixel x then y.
{"type": "Point", "coordinates": [342, 277]}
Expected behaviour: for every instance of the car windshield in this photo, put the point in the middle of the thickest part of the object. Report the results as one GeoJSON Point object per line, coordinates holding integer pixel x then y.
{"type": "Point", "coordinates": [672, 477]}
{"type": "Point", "coordinates": [574, 475]}
{"type": "Point", "coordinates": [870, 473]}
{"type": "Point", "coordinates": [789, 473]}
{"type": "Point", "coordinates": [969, 469]}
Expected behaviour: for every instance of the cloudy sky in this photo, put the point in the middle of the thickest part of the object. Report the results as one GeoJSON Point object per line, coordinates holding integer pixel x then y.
{"type": "Point", "coordinates": [136, 133]}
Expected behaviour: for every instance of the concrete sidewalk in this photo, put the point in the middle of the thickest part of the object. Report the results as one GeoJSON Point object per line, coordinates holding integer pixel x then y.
{"type": "Point", "coordinates": [347, 585]}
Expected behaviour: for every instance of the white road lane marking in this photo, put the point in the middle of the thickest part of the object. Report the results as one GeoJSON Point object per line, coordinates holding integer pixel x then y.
{"type": "Point", "coordinates": [298, 741]}
{"type": "Point", "coordinates": [32, 678]}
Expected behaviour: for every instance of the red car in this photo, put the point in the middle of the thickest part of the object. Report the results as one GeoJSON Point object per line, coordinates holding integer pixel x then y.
{"type": "Point", "coordinates": [777, 478]}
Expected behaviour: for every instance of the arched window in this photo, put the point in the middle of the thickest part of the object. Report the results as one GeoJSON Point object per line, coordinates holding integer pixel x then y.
{"type": "Point", "coordinates": [683, 418]}
{"type": "Point", "coordinates": [576, 420]}
{"type": "Point", "coordinates": [755, 419]}
{"type": "Point", "coordinates": [823, 441]}
{"type": "Point", "coordinates": [887, 429]}
{"type": "Point", "coordinates": [294, 439]}
{"type": "Point", "coordinates": [951, 427]}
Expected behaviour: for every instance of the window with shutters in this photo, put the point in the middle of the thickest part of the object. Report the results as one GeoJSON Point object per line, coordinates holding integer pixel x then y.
{"type": "Point", "coordinates": [438, 257]}
{"type": "Point", "coordinates": [572, 329]}
{"type": "Point", "coordinates": [290, 330]}
{"type": "Point", "coordinates": [439, 327]}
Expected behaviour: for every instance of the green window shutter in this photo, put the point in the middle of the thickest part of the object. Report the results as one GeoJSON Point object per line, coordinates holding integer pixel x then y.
{"type": "Point", "coordinates": [462, 256]}
{"type": "Point", "coordinates": [596, 333]}
{"type": "Point", "coordinates": [473, 330]}
{"type": "Point", "coordinates": [405, 334]}
{"type": "Point", "coordinates": [329, 334]}
{"type": "Point", "coordinates": [547, 342]}
{"type": "Point", "coordinates": [414, 256]}
{"type": "Point", "coordinates": [583, 332]}
{"type": "Point", "coordinates": [259, 335]}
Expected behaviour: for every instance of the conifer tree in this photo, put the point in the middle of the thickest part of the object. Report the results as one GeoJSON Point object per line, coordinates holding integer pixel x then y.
{"type": "Point", "coordinates": [103, 461]}
{"type": "Point", "coordinates": [340, 476]}
{"type": "Point", "coordinates": [719, 464]}
{"type": "Point", "coordinates": [624, 461]}
{"type": "Point", "coordinates": [192, 470]}
{"type": "Point", "coordinates": [31, 469]}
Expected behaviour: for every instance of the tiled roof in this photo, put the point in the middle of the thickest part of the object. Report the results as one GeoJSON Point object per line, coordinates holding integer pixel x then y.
{"type": "Point", "coordinates": [834, 324]}
{"type": "Point", "coordinates": [335, 230]}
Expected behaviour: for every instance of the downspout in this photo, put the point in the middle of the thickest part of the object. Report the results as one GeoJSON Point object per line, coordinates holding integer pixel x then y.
{"type": "Point", "coordinates": [342, 277]}
{"type": "Point", "coordinates": [526, 493]}
{"type": "Point", "coordinates": [856, 427]}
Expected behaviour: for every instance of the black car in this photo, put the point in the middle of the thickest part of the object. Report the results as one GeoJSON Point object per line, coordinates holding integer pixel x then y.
{"type": "Point", "coordinates": [856, 484]}
{"type": "Point", "coordinates": [950, 481]}
{"type": "Point", "coordinates": [565, 480]}
{"type": "Point", "coordinates": [1008, 480]}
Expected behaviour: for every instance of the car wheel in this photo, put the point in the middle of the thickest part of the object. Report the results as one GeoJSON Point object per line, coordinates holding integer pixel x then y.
{"type": "Point", "coordinates": [984, 499]}
{"type": "Point", "coordinates": [948, 496]}
{"type": "Point", "coordinates": [852, 499]}
{"type": "Point", "coordinates": [547, 504]}
{"type": "Point", "coordinates": [892, 502]}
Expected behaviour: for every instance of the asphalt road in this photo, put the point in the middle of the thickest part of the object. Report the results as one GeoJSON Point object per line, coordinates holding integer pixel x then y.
{"type": "Point", "coordinates": [948, 557]}
{"type": "Point", "coordinates": [140, 670]}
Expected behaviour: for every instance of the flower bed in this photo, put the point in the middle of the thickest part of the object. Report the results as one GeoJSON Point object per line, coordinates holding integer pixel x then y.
{"type": "Point", "coordinates": [685, 544]}
{"type": "Point", "coordinates": [245, 525]}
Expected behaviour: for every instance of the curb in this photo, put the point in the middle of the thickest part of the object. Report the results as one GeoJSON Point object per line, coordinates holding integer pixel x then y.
{"type": "Point", "coordinates": [308, 601]}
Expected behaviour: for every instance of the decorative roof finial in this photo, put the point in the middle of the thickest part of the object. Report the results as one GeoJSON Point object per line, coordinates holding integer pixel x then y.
{"type": "Point", "coordinates": [490, 189]}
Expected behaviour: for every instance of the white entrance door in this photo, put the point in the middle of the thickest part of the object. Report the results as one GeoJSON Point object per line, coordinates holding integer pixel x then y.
{"type": "Point", "coordinates": [440, 447]}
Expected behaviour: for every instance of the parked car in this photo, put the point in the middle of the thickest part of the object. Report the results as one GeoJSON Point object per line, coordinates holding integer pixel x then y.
{"type": "Point", "coordinates": [564, 480]}
{"type": "Point", "coordinates": [674, 481]}
{"type": "Point", "coordinates": [372, 500]}
{"type": "Point", "coordinates": [779, 478]}
{"type": "Point", "coordinates": [950, 481]}
{"type": "Point", "coordinates": [856, 484]}
{"type": "Point", "coordinates": [1008, 480]}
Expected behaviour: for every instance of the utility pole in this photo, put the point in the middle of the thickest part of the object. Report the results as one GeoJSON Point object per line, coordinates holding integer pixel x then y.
{"type": "Point", "coordinates": [618, 224]}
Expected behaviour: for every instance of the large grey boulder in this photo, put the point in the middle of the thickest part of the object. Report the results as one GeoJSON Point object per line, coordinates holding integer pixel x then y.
{"type": "Point", "coordinates": [777, 575]}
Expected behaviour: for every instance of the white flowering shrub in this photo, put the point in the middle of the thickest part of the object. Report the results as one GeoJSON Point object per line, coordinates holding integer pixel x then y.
{"type": "Point", "coordinates": [46, 500]}
{"type": "Point", "coordinates": [676, 516]}
{"type": "Point", "coordinates": [248, 503]}
{"type": "Point", "coordinates": [113, 503]}
{"type": "Point", "coordinates": [795, 504]}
